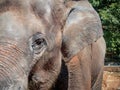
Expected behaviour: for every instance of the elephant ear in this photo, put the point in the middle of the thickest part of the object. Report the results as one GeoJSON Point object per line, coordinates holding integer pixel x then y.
{"type": "Point", "coordinates": [82, 27]}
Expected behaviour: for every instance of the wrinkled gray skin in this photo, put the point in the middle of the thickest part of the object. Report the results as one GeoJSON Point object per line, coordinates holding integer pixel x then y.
{"type": "Point", "coordinates": [30, 45]}
{"type": "Point", "coordinates": [29, 32]}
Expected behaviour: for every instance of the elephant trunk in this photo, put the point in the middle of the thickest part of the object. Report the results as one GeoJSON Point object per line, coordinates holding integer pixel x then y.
{"type": "Point", "coordinates": [12, 68]}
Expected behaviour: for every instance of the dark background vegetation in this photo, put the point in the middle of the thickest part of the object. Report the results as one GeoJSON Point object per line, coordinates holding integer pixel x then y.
{"type": "Point", "coordinates": [109, 11]}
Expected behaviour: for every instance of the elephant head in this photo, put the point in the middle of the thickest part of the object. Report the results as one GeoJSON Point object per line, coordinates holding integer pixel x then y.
{"type": "Point", "coordinates": [29, 33]}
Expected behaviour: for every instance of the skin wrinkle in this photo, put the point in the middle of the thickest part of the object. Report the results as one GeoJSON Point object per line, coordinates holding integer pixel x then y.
{"type": "Point", "coordinates": [3, 76]}
{"type": "Point", "coordinates": [14, 62]}
{"type": "Point", "coordinates": [14, 46]}
{"type": "Point", "coordinates": [11, 60]}
{"type": "Point", "coordinates": [9, 64]}
{"type": "Point", "coordinates": [7, 70]}
{"type": "Point", "coordinates": [10, 68]}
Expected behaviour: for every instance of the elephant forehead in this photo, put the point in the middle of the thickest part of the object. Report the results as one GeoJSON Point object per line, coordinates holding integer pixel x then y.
{"type": "Point", "coordinates": [8, 25]}
{"type": "Point", "coordinates": [41, 7]}
{"type": "Point", "coordinates": [16, 26]}
{"type": "Point", "coordinates": [25, 19]}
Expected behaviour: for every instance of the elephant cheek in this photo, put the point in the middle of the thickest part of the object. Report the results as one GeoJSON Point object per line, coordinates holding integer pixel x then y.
{"type": "Point", "coordinates": [45, 73]}
{"type": "Point", "coordinates": [12, 74]}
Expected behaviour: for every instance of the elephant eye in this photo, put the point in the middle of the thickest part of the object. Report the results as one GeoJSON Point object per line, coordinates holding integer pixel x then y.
{"type": "Point", "coordinates": [38, 43]}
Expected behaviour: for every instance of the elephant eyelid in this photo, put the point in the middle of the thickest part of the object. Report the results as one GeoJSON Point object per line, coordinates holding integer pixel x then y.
{"type": "Point", "coordinates": [37, 42]}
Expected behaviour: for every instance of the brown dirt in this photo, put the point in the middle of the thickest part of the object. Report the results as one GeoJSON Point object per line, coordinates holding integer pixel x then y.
{"type": "Point", "coordinates": [111, 78]}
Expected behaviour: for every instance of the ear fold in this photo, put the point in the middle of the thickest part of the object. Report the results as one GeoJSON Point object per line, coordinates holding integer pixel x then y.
{"type": "Point", "coordinates": [82, 27]}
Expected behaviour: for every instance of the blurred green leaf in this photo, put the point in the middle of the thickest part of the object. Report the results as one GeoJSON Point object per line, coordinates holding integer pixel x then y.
{"type": "Point", "coordinates": [109, 11]}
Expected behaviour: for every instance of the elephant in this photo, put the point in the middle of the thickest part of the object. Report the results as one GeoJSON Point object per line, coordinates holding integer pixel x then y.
{"type": "Point", "coordinates": [50, 45]}
{"type": "Point", "coordinates": [83, 51]}
{"type": "Point", "coordinates": [30, 31]}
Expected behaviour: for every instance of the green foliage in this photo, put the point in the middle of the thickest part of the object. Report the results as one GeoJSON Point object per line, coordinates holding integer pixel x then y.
{"type": "Point", "coordinates": [109, 11]}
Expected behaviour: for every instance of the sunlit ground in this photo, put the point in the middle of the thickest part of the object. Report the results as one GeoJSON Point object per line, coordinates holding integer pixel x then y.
{"type": "Point", "coordinates": [111, 78]}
